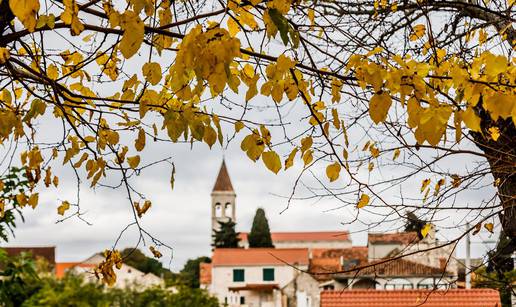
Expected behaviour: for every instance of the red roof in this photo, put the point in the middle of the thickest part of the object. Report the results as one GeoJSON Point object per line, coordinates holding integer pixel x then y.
{"type": "Point", "coordinates": [63, 267]}
{"type": "Point", "coordinates": [355, 252]}
{"type": "Point", "coordinates": [47, 253]}
{"type": "Point", "coordinates": [393, 238]}
{"type": "Point", "coordinates": [259, 256]}
{"type": "Point", "coordinates": [328, 262]}
{"type": "Point", "coordinates": [400, 268]}
{"type": "Point", "coordinates": [205, 273]}
{"type": "Point", "coordinates": [305, 236]}
{"type": "Point", "coordinates": [223, 182]}
{"type": "Point", "coordinates": [404, 298]}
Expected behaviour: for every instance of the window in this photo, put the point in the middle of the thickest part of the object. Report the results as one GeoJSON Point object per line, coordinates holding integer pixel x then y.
{"type": "Point", "coordinates": [238, 275]}
{"type": "Point", "coordinates": [242, 300]}
{"type": "Point", "coordinates": [268, 274]}
{"type": "Point", "coordinates": [398, 284]}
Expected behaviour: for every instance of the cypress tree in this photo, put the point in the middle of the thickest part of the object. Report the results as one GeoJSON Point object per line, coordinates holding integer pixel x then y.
{"type": "Point", "coordinates": [260, 235]}
{"type": "Point", "coordinates": [226, 236]}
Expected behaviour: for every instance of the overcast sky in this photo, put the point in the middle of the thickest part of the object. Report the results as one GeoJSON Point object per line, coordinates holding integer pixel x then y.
{"type": "Point", "coordinates": [181, 217]}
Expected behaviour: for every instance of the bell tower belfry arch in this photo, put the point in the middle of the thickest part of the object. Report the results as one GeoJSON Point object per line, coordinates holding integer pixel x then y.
{"type": "Point", "coordinates": [222, 199]}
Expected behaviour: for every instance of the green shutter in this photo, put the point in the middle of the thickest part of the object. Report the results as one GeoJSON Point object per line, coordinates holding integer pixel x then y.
{"type": "Point", "coordinates": [268, 274]}
{"type": "Point", "coordinates": [238, 275]}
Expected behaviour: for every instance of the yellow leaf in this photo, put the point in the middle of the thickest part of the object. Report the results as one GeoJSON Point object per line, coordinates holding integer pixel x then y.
{"type": "Point", "coordinates": [65, 205]}
{"type": "Point", "coordinates": [308, 157]}
{"type": "Point", "coordinates": [425, 230]}
{"type": "Point", "coordinates": [141, 210]}
{"type": "Point", "coordinates": [233, 27]}
{"type": "Point", "coordinates": [88, 37]}
{"type": "Point", "coordinates": [306, 143]}
{"type": "Point", "coordinates": [139, 143]}
{"type": "Point", "coordinates": [478, 227]}
{"type": "Point", "coordinates": [333, 171]}
{"type": "Point", "coordinates": [4, 55]}
{"type": "Point", "coordinates": [272, 161]}
{"type": "Point", "coordinates": [379, 107]}
{"type": "Point", "coordinates": [489, 227]}
{"type": "Point", "coordinates": [425, 184]}
{"type": "Point", "coordinates": [55, 181]}
{"type": "Point", "coordinates": [210, 136]}
{"type": "Point", "coordinates": [290, 160]}
{"type": "Point", "coordinates": [134, 31]}
{"type": "Point", "coordinates": [238, 126]}
{"type": "Point", "coordinates": [48, 178]}
{"type": "Point", "coordinates": [375, 152]}
{"type": "Point", "coordinates": [152, 72]}
{"type": "Point", "coordinates": [417, 32]}
{"type": "Point", "coordinates": [396, 154]}
{"type": "Point", "coordinates": [471, 119]}
{"type": "Point", "coordinates": [364, 201]}
{"type": "Point", "coordinates": [155, 252]}
{"type": "Point", "coordinates": [438, 186]}
{"type": "Point", "coordinates": [2, 208]}
{"type": "Point", "coordinates": [133, 161]}
{"type": "Point", "coordinates": [311, 16]}
{"type": "Point", "coordinates": [21, 199]}
{"type": "Point", "coordinates": [495, 133]}
{"type": "Point", "coordinates": [370, 166]}
{"type": "Point", "coordinates": [33, 200]}
{"type": "Point", "coordinates": [26, 11]}
{"type": "Point", "coordinates": [52, 72]}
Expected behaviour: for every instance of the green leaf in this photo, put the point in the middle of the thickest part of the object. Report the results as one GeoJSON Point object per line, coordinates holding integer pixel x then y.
{"type": "Point", "coordinates": [281, 23]}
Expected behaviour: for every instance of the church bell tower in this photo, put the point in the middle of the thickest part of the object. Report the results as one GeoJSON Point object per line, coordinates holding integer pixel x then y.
{"type": "Point", "coordinates": [222, 200]}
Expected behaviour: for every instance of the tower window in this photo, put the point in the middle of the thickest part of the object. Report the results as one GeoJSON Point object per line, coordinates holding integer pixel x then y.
{"type": "Point", "coordinates": [238, 275]}
{"type": "Point", "coordinates": [218, 209]}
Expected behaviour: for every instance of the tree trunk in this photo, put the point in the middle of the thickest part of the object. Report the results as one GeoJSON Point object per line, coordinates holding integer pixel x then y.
{"type": "Point", "coordinates": [501, 156]}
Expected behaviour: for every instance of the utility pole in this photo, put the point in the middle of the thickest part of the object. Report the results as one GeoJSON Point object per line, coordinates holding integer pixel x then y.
{"type": "Point", "coordinates": [468, 259]}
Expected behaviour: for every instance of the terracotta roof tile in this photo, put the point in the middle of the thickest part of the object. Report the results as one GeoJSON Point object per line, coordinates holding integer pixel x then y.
{"type": "Point", "coordinates": [329, 260]}
{"type": "Point", "coordinates": [400, 268]}
{"type": "Point", "coordinates": [259, 256]}
{"type": "Point", "coordinates": [223, 182]}
{"type": "Point", "coordinates": [305, 236]}
{"type": "Point", "coordinates": [63, 267]}
{"type": "Point", "coordinates": [337, 260]}
{"type": "Point", "coordinates": [393, 238]}
{"type": "Point", "coordinates": [404, 298]}
{"type": "Point", "coordinates": [205, 273]}
{"type": "Point", "coordinates": [355, 252]}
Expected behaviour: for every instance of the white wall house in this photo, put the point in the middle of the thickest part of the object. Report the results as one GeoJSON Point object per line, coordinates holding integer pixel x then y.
{"type": "Point", "coordinates": [126, 276]}
{"type": "Point", "coordinates": [254, 277]}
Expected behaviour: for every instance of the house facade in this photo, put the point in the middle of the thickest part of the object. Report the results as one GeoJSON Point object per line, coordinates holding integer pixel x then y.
{"type": "Point", "coordinates": [127, 276]}
{"type": "Point", "coordinates": [255, 276]}
{"type": "Point", "coordinates": [304, 264]}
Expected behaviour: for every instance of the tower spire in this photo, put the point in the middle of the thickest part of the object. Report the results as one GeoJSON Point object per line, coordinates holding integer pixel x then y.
{"type": "Point", "coordinates": [223, 182]}
{"type": "Point", "coordinates": [223, 197]}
